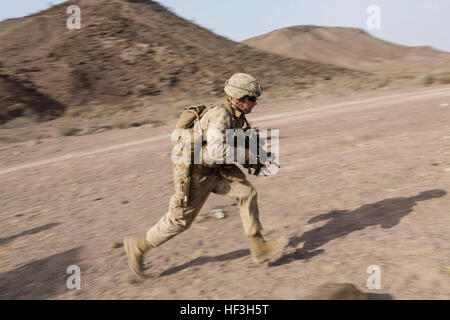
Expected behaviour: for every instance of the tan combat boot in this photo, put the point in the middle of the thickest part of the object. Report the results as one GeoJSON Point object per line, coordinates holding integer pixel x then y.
{"type": "Point", "coordinates": [135, 249]}
{"type": "Point", "coordinates": [263, 251]}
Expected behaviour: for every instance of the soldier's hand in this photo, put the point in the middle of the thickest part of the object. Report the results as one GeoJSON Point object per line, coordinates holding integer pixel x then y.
{"type": "Point", "coordinates": [259, 164]}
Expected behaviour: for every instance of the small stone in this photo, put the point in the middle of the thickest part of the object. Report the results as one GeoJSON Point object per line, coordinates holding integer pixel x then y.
{"type": "Point", "coordinates": [447, 169]}
{"type": "Point", "coordinates": [217, 214]}
{"type": "Point", "coordinates": [434, 164]}
{"type": "Point", "coordinates": [445, 270]}
{"type": "Point", "coordinates": [131, 177]}
{"type": "Point", "coordinates": [125, 201]}
{"type": "Point", "coordinates": [299, 294]}
{"type": "Point", "coordinates": [444, 105]}
{"type": "Point", "coordinates": [135, 280]}
{"type": "Point", "coordinates": [34, 142]}
{"type": "Point", "coordinates": [117, 244]}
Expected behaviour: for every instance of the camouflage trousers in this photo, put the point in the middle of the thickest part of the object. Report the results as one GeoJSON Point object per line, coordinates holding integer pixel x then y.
{"type": "Point", "coordinates": [227, 180]}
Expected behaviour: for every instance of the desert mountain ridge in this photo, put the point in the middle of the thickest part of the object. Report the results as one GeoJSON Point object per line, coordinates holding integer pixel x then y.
{"type": "Point", "coordinates": [130, 49]}
{"type": "Point", "coordinates": [348, 47]}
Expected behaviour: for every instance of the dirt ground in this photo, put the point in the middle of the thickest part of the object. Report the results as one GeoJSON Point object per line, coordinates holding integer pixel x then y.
{"type": "Point", "coordinates": [364, 180]}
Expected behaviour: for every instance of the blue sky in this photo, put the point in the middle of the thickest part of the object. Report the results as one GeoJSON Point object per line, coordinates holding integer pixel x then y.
{"type": "Point", "coordinates": [408, 22]}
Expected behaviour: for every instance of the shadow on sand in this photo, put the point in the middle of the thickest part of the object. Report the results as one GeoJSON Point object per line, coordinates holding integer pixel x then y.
{"type": "Point", "coordinates": [41, 279]}
{"type": "Point", "coordinates": [202, 260]}
{"type": "Point", "coordinates": [28, 232]}
{"type": "Point", "coordinates": [386, 213]}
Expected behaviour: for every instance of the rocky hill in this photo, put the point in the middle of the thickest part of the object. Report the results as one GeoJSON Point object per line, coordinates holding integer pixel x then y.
{"type": "Point", "coordinates": [20, 98]}
{"type": "Point", "coordinates": [349, 47]}
{"type": "Point", "coordinates": [130, 49]}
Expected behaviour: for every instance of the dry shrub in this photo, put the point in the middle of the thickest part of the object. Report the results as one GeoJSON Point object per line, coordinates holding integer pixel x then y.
{"type": "Point", "coordinates": [66, 127]}
{"type": "Point", "coordinates": [32, 116]}
{"type": "Point", "coordinates": [99, 111]}
{"type": "Point", "coordinates": [157, 123]}
{"type": "Point", "coordinates": [383, 83]}
{"type": "Point", "coordinates": [428, 79]}
{"type": "Point", "coordinates": [81, 111]}
{"type": "Point", "coordinates": [444, 79]}
{"type": "Point", "coordinates": [356, 85]}
{"type": "Point", "coordinates": [405, 76]}
{"type": "Point", "coordinates": [121, 123]}
{"type": "Point", "coordinates": [127, 122]}
{"type": "Point", "coordinates": [301, 86]}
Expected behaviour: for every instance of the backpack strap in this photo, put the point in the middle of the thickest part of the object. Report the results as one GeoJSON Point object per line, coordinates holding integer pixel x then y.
{"type": "Point", "coordinates": [228, 107]}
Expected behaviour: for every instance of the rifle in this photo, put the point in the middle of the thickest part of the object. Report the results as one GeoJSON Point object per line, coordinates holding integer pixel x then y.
{"type": "Point", "coordinates": [253, 142]}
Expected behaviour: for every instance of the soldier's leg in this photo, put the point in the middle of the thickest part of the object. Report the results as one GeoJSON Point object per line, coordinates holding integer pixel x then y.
{"type": "Point", "coordinates": [175, 221]}
{"type": "Point", "coordinates": [180, 218]}
{"type": "Point", "coordinates": [248, 208]}
{"type": "Point", "coordinates": [247, 198]}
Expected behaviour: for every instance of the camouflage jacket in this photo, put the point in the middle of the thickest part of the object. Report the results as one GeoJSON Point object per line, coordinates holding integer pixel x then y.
{"type": "Point", "coordinates": [214, 125]}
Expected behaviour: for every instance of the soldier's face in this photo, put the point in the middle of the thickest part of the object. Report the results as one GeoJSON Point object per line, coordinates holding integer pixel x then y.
{"type": "Point", "coordinates": [249, 104]}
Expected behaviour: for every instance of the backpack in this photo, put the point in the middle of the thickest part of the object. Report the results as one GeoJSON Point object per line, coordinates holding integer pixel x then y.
{"type": "Point", "coordinates": [189, 115]}
{"type": "Point", "coordinates": [192, 113]}
{"type": "Point", "coordinates": [186, 121]}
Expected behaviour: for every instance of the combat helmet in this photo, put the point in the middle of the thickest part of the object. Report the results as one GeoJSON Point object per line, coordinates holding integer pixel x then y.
{"type": "Point", "coordinates": [241, 85]}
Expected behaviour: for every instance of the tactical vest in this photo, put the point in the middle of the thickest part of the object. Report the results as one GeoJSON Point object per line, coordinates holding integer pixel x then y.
{"type": "Point", "coordinates": [191, 114]}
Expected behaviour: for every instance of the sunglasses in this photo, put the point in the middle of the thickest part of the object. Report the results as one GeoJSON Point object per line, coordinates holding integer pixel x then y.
{"type": "Point", "coordinates": [252, 99]}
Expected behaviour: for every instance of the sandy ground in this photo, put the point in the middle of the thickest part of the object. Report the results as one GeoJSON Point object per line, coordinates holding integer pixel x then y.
{"type": "Point", "coordinates": [364, 180]}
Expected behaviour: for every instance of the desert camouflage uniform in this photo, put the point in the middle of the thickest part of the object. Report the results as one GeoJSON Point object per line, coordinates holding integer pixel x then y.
{"type": "Point", "coordinates": [224, 179]}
